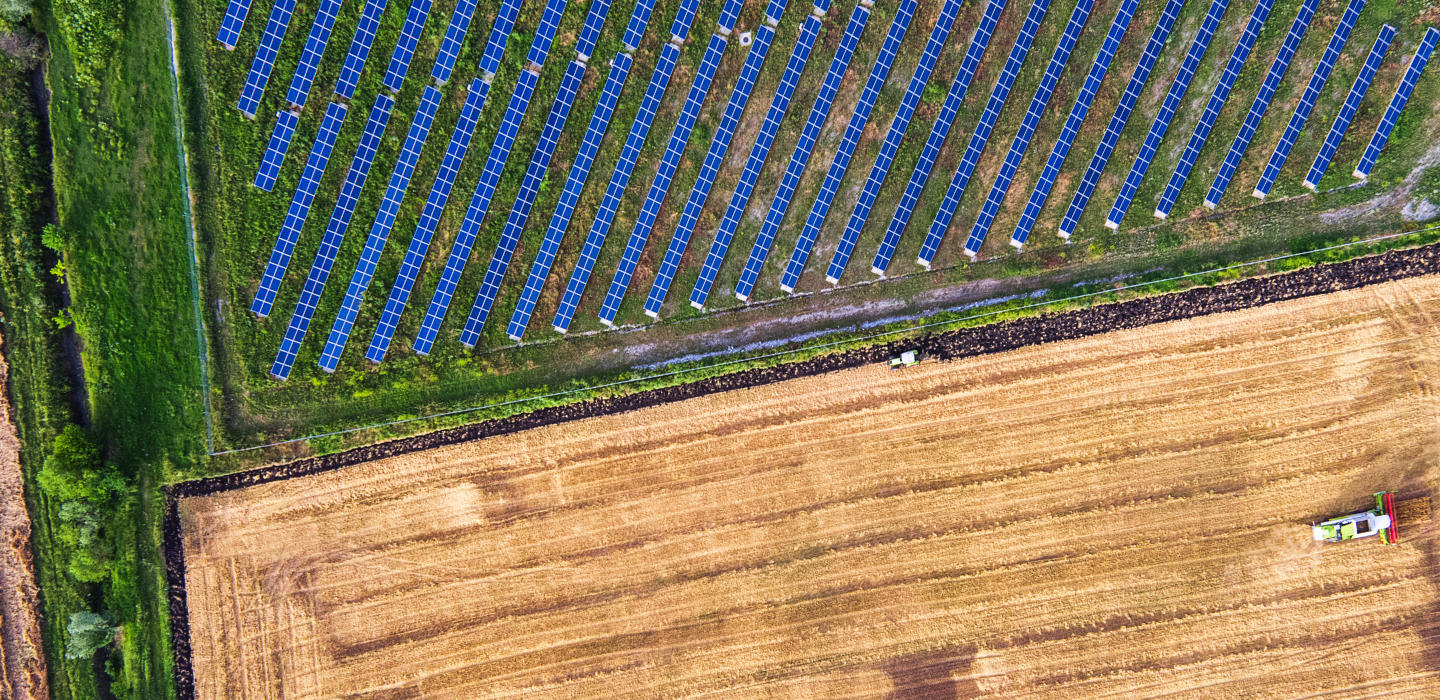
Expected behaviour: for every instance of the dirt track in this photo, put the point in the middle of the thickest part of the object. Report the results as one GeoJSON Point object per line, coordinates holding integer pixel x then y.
{"type": "Point", "coordinates": [1119, 514]}
{"type": "Point", "coordinates": [22, 664]}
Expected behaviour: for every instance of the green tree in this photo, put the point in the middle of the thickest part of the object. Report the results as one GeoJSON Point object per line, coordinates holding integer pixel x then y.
{"type": "Point", "coordinates": [87, 633]}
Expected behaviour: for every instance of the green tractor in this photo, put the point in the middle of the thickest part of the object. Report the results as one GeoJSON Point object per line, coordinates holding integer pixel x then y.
{"type": "Point", "coordinates": [908, 358]}
{"type": "Point", "coordinates": [1379, 520]}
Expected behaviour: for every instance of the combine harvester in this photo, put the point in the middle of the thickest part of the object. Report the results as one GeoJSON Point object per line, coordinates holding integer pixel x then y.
{"type": "Point", "coordinates": [1384, 520]}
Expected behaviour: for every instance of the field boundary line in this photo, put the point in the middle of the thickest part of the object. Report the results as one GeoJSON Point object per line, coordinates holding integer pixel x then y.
{"type": "Point", "coordinates": [191, 238]}
{"type": "Point", "coordinates": [810, 348]}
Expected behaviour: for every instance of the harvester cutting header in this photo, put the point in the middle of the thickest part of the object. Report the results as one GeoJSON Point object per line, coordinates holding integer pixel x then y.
{"type": "Point", "coordinates": [1383, 520]}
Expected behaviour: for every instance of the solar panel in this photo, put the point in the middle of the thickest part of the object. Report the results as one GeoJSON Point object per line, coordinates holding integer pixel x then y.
{"type": "Point", "coordinates": [264, 60]}
{"type": "Point", "coordinates": [1308, 99]}
{"type": "Point", "coordinates": [429, 218]}
{"type": "Point", "coordinates": [579, 173]}
{"type": "Point", "coordinates": [232, 23]}
{"type": "Point", "coordinates": [740, 199]}
{"type": "Point", "coordinates": [939, 132]}
{"type": "Point", "coordinates": [314, 49]}
{"type": "Point", "coordinates": [714, 158]}
{"type": "Point", "coordinates": [590, 31]}
{"type": "Point", "coordinates": [939, 35]}
{"type": "Point", "coordinates": [479, 205]}
{"type": "Point", "coordinates": [639, 20]}
{"type": "Point", "coordinates": [520, 209]}
{"type": "Point", "coordinates": [1173, 98]}
{"type": "Point", "coordinates": [679, 138]}
{"type": "Point", "coordinates": [1091, 178]}
{"type": "Point", "coordinates": [359, 48]}
{"type": "Point", "coordinates": [1212, 108]}
{"type": "Point", "coordinates": [1397, 103]}
{"type": "Point", "coordinates": [1351, 106]}
{"type": "Point", "coordinates": [879, 72]}
{"type": "Point", "coordinates": [299, 210]}
{"type": "Point", "coordinates": [405, 45]}
{"type": "Point", "coordinates": [545, 33]}
{"type": "Point", "coordinates": [1073, 122]}
{"type": "Point", "coordinates": [1021, 142]}
{"type": "Point", "coordinates": [455, 39]}
{"type": "Point", "coordinates": [1273, 77]}
{"type": "Point", "coordinates": [275, 151]}
{"type": "Point", "coordinates": [499, 33]}
{"type": "Point", "coordinates": [380, 229]}
{"type": "Point", "coordinates": [334, 235]}
{"type": "Point", "coordinates": [625, 167]}
{"type": "Point", "coordinates": [803, 148]}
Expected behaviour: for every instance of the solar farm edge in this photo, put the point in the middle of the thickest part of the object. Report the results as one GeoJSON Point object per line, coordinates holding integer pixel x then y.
{"type": "Point", "coordinates": [958, 344]}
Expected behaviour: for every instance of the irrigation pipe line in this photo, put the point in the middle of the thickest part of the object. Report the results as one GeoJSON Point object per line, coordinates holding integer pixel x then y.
{"type": "Point", "coordinates": [809, 348]}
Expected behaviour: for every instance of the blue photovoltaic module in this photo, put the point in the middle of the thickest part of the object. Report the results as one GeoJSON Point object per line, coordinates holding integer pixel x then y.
{"type": "Point", "coordinates": [1351, 106]}
{"type": "Point", "coordinates": [274, 156]}
{"type": "Point", "coordinates": [264, 60]}
{"type": "Point", "coordinates": [1397, 103]}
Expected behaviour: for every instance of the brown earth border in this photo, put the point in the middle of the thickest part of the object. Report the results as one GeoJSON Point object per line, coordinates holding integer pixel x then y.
{"type": "Point", "coordinates": [948, 345]}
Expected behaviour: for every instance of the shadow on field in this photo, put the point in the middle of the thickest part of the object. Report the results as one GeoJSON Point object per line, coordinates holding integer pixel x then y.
{"type": "Point", "coordinates": [933, 674]}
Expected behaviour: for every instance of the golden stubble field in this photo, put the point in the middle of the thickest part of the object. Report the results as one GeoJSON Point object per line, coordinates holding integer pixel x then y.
{"type": "Point", "coordinates": [1116, 516]}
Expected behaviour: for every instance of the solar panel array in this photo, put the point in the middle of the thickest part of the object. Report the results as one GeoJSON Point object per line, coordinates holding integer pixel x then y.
{"type": "Point", "coordinates": [1173, 98]}
{"type": "Point", "coordinates": [714, 158]}
{"type": "Point", "coordinates": [1397, 103]}
{"type": "Point", "coordinates": [803, 148]}
{"type": "Point", "coordinates": [269, 169]}
{"type": "Point", "coordinates": [679, 139]}
{"type": "Point", "coordinates": [1076, 118]}
{"type": "Point", "coordinates": [1212, 108]}
{"type": "Point", "coordinates": [430, 217]}
{"type": "Point", "coordinates": [1308, 99]}
{"type": "Point", "coordinates": [914, 90]}
{"type": "Point", "coordinates": [1351, 106]}
{"type": "Point", "coordinates": [380, 229]}
{"type": "Point", "coordinates": [879, 72]}
{"type": "Point", "coordinates": [579, 171]}
{"type": "Point", "coordinates": [232, 23]}
{"type": "Point", "coordinates": [1086, 189]}
{"type": "Point", "coordinates": [625, 167]}
{"type": "Point", "coordinates": [545, 33]}
{"type": "Point", "coordinates": [524, 201]}
{"type": "Point", "coordinates": [334, 235]}
{"type": "Point", "coordinates": [1021, 142]}
{"type": "Point", "coordinates": [264, 60]}
{"type": "Point", "coordinates": [405, 45]}
{"type": "Point", "coordinates": [455, 38]}
{"type": "Point", "coordinates": [759, 152]}
{"type": "Point", "coordinates": [299, 209]}
{"type": "Point", "coordinates": [359, 48]}
{"type": "Point", "coordinates": [936, 140]}
{"type": "Point", "coordinates": [314, 49]}
{"type": "Point", "coordinates": [1262, 102]}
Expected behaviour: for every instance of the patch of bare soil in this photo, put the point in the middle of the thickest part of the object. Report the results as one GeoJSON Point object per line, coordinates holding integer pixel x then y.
{"type": "Point", "coordinates": [22, 661]}
{"type": "Point", "coordinates": [1123, 514]}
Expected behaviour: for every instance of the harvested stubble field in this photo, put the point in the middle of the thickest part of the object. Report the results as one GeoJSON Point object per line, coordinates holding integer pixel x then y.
{"type": "Point", "coordinates": [1124, 514]}
{"type": "Point", "coordinates": [22, 661]}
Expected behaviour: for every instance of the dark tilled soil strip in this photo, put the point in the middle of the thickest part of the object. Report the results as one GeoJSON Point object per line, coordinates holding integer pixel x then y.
{"type": "Point", "coordinates": [967, 342]}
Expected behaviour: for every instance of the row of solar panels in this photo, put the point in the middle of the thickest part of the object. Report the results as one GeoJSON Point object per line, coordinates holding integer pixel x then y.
{"type": "Point", "coordinates": [719, 145]}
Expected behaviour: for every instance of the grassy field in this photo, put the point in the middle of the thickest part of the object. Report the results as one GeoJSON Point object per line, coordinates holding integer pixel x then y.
{"type": "Point", "coordinates": [1118, 515]}
{"type": "Point", "coordinates": [239, 223]}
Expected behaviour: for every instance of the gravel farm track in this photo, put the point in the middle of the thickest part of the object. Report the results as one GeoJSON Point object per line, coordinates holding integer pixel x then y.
{"type": "Point", "coordinates": [1110, 501]}
{"type": "Point", "coordinates": [22, 663]}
